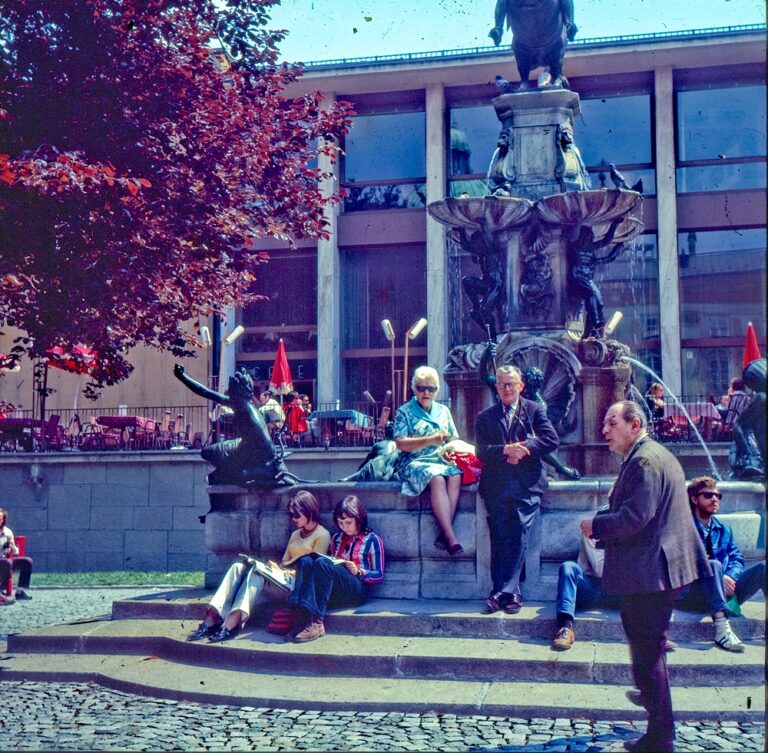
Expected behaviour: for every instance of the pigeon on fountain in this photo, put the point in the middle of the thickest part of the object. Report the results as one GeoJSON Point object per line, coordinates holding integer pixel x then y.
{"type": "Point", "coordinates": [617, 178]}
{"type": "Point", "coordinates": [638, 186]}
{"type": "Point", "coordinates": [504, 86]}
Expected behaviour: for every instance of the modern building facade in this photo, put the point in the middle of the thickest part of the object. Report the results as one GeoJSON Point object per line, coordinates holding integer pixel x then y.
{"type": "Point", "coordinates": [684, 112]}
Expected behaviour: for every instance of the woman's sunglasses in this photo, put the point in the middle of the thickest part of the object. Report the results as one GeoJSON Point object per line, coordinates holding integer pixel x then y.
{"type": "Point", "coordinates": [425, 388]}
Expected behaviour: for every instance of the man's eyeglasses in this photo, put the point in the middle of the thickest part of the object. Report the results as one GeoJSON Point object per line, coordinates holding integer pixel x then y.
{"type": "Point", "coordinates": [508, 385]}
{"type": "Point", "coordinates": [426, 388]}
{"type": "Point", "coordinates": [711, 495]}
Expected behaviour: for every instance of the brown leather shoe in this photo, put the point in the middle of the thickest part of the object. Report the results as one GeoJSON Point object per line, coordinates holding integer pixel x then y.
{"type": "Point", "coordinates": [514, 605]}
{"type": "Point", "coordinates": [313, 631]}
{"type": "Point", "coordinates": [564, 639]}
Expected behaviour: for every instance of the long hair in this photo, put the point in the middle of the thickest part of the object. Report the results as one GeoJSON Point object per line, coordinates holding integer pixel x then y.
{"type": "Point", "coordinates": [351, 507]}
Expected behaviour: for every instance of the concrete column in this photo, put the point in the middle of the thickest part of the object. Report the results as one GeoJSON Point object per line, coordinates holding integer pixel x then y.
{"type": "Point", "coordinates": [666, 201]}
{"type": "Point", "coordinates": [329, 291]}
{"type": "Point", "coordinates": [438, 331]}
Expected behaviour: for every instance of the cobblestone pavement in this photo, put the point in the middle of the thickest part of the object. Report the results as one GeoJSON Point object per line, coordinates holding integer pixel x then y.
{"type": "Point", "coordinates": [85, 717]}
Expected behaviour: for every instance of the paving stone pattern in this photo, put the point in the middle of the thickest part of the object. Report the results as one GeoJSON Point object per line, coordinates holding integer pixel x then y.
{"type": "Point", "coordinates": [86, 717]}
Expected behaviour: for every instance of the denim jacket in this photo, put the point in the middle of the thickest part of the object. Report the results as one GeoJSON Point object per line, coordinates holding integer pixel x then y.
{"type": "Point", "coordinates": [723, 546]}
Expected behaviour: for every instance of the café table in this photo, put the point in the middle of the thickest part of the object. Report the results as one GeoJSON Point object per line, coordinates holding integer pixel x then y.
{"type": "Point", "coordinates": [333, 423]}
{"type": "Point", "coordinates": [703, 414]}
{"type": "Point", "coordinates": [20, 430]}
{"type": "Point", "coordinates": [140, 431]}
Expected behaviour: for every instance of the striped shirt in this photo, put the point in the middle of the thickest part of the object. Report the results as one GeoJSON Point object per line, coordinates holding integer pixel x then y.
{"type": "Point", "coordinates": [366, 550]}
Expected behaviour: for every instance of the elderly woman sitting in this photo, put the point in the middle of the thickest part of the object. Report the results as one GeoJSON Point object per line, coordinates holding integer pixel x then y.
{"type": "Point", "coordinates": [422, 427]}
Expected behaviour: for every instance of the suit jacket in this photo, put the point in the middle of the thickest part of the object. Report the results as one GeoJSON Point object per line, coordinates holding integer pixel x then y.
{"type": "Point", "coordinates": [651, 543]}
{"type": "Point", "coordinates": [531, 425]}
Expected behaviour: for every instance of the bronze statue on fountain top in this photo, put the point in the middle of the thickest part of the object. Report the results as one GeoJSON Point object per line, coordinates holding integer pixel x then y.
{"type": "Point", "coordinates": [541, 30]}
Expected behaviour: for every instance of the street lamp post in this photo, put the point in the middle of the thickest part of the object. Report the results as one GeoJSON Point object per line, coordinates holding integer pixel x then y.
{"type": "Point", "coordinates": [389, 333]}
{"type": "Point", "coordinates": [411, 334]}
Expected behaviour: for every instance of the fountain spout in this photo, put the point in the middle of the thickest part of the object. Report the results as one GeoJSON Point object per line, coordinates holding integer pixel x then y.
{"type": "Point", "coordinates": [667, 391]}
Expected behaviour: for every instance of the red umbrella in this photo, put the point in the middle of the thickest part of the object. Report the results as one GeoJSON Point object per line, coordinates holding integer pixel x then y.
{"type": "Point", "coordinates": [751, 350]}
{"type": "Point", "coordinates": [79, 360]}
{"type": "Point", "coordinates": [281, 381]}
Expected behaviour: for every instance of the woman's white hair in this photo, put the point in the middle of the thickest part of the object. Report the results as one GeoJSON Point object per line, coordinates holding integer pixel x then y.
{"type": "Point", "coordinates": [425, 374]}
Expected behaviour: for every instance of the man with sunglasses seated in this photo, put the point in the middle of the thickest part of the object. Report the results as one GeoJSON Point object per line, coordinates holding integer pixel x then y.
{"type": "Point", "coordinates": [730, 579]}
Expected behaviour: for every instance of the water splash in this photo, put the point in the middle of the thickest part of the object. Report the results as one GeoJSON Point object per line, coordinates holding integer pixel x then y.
{"type": "Point", "coordinates": [667, 391]}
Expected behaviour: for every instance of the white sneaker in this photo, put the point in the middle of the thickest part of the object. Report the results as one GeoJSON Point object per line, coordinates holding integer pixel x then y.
{"type": "Point", "coordinates": [729, 641]}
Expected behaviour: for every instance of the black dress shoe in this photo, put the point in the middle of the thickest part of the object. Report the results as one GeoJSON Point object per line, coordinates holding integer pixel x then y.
{"type": "Point", "coordinates": [225, 634]}
{"type": "Point", "coordinates": [515, 604]}
{"type": "Point", "coordinates": [644, 745]}
{"type": "Point", "coordinates": [204, 631]}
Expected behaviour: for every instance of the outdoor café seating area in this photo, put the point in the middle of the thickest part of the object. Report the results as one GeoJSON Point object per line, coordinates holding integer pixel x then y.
{"type": "Point", "coordinates": [177, 428]}
{"type": "Point", "coordinates": [194, 427]}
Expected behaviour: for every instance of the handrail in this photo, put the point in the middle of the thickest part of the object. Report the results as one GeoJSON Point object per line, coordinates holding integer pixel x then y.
{"type": "Point", "coordinates": [488, 51]}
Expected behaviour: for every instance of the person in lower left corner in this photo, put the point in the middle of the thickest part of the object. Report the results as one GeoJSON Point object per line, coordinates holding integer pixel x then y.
{"type": "Point", "coordinates": [8, 564]}
{"type": "Point", "coordinates": [345, 580]}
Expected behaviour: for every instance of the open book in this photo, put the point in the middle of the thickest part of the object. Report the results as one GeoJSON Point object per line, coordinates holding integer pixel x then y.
{"type": "Point", "coordinates": [335, 560]}
{"type": "Point", "coordinates": [284, 579]}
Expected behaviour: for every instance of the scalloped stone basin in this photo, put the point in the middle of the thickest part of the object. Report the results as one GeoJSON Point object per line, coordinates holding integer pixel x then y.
{"type": "Point", "coordinates": [492, 212]}
{"type": "Point", "coordinates": [629, 228]}
{"type": "Point", "coordinates": [587, 207]}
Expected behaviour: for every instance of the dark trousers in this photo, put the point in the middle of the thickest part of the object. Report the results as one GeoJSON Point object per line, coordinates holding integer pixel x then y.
{"type": "Point", "coordinates": [320, 584]}
{"type": "Point", "coordinates": [509, 522]}
{"type": "Point", "coordinates": [646, 621]}
{"type": "Point", "coordinates": [23, 565]}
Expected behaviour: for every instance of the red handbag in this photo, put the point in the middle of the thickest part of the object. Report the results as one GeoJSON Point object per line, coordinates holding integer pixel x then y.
{"type": "Point", "coordinates": [470, 466]}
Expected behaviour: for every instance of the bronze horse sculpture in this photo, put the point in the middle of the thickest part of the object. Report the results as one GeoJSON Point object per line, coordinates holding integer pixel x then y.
{"type": "Point", "coordinates": [540, 33]}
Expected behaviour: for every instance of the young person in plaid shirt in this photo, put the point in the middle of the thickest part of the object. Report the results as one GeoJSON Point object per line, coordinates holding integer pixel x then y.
{"type": "Point", "coordinates": [322, 583]}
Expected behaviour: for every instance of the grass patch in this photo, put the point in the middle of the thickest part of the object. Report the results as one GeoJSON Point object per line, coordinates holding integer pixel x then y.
{"type": "Point", "coordinates": [119, 578]}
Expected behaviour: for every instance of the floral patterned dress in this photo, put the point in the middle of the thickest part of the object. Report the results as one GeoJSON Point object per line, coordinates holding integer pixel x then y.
{"type": "Point", "coordinates": [417, 469]}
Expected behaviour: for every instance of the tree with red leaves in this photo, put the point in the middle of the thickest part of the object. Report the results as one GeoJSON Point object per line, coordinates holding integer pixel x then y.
{"type": "Point", "coordinates": [144, 145]}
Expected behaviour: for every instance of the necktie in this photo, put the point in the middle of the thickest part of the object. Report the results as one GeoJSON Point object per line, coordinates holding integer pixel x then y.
{"type": "Point", "coordinates": [509, 412]}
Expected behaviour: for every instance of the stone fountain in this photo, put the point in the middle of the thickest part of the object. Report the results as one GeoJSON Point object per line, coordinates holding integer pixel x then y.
{"type": "Point", "coordinates": [538, 236]}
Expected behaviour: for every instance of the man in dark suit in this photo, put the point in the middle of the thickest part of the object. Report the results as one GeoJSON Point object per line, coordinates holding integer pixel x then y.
{"type": "Point", "coordinates": [510, 439]}
{"type": "Point", "coordinates": [651, 551]}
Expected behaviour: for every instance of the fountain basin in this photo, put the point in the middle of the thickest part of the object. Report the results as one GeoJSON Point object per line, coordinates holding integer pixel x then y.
{"type": "Point", "coordinates": [587, 207]}
{"type": "Point", "coordinates": [492, 213]}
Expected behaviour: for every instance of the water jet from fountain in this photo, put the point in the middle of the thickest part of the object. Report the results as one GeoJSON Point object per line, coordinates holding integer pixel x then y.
{"type": "Point", "coordinates": [667, 391]}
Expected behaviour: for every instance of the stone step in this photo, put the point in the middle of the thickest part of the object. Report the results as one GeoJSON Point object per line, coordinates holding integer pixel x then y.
{"type": "Point", "coordinates": [450, 618]}
{"type": "Point", "coordinates": [522, 658]}
{"type": "Point", "coordinates": [150, 675]}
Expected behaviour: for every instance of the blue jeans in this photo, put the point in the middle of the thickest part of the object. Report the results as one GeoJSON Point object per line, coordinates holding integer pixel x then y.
{"type": "Point", "coordinates": [575, 589]}
{"type": "Point", "coordinates": [708, 594]}
{"type": "Point", "coordinates": [320, 584]}
{"type": "Point", "coordinates": [750, 582]}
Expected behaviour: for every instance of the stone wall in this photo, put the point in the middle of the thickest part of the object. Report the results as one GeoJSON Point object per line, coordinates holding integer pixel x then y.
{"type": "Point", "coordinates": [139, 511]}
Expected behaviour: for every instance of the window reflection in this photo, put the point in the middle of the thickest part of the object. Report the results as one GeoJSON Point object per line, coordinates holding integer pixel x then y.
{"type": "Point", "coordinates": [722, 287]}
{"type": "Point", "coordinates": [615, 129]}
{"type": "Point", "coordinates": [388, 196]}
{"type": "Point", "coordinates": [474, 132]}
{"type": "Point", "coordinates": [386, 147]}
{"type": "Point", "coordinates": [718, 131]}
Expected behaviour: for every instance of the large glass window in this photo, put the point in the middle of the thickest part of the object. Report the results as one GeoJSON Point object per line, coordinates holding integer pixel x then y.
{"type": "Point", "coordinates": [722, 288]}
{"type": "Point", "coordinates": [383, 156]}
{"type": "Point", "coordinates": [473, 136]}
{"type": "Point", "coordinates": [380, 283]}
{"type": "Point", "coordinates": [617, 130]}
{"type": "Point", "coordinates": [288, 282]}
{"type": "Point", "coordinates": [721, 135]}
{"type": "Point", "coordinates": [630, 284]}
